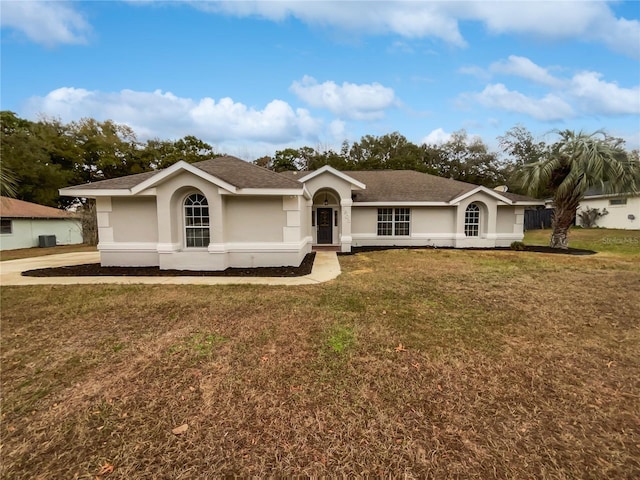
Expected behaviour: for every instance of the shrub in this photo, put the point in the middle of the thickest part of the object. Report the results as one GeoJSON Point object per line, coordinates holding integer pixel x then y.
{"type": "Point", "coordinates": [519, 246]}
{"type": "Point", "coordinates": [589, 216]}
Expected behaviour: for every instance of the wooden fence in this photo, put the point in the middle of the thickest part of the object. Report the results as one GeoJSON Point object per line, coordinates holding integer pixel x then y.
{"type": "Point", "coordinates": [536, 219]}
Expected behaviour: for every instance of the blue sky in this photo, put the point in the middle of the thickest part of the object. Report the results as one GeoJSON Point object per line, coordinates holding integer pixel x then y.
{"type": "Point", "coordinates": [255, 77]}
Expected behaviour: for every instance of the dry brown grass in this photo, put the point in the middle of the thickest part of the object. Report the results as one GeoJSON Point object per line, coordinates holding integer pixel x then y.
{"type": "Point", "coordinates": [39, 252]}
{"type": "Point", "coordinates": [515, 365]}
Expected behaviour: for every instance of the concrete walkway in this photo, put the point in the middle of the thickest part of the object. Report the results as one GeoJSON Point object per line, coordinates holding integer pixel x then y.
{"type": "Point", "coordinates": [325, 267]}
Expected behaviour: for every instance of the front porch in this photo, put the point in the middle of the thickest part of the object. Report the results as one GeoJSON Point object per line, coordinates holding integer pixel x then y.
{"type": "Point", "coordinates": [330, 221]}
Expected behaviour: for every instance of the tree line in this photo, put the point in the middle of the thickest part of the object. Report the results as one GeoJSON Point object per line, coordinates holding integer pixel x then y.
{"type": "Point", "coordinates": [39, 157]}
{"type": "Point", "coordinates": [462, 158]}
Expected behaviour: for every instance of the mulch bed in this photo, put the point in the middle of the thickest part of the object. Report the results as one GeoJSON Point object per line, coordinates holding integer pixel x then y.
{"type": "Point", "coordinates": [95, 270]}
{"type": "Point", "coordinates": [527, 248]}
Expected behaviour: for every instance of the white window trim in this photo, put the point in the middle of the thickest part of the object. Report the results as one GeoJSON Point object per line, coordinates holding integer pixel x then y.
{"type": "Point", "coordinates": [394, 222]}
{"type": "Point", "coordinates": [186, 227]}
{"type": "Point", "coordinates": [476, 223]}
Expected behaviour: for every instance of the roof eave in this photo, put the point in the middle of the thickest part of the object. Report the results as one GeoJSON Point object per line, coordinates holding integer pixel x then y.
{"type": "Point", "coordinates": [413, 203]}
{"type": "Point", "coordinates": [94, 192]}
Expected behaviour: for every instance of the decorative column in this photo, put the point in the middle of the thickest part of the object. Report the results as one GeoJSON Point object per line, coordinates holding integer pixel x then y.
{"type": "Point", "coordinates": [345, 236]}
{"type": "Point", "coordinates": [103, 214]}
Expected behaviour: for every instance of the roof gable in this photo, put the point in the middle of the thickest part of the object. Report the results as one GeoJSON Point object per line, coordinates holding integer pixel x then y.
{"type": "Point", "coordinates": [229, 173]}
{"type": "Point", "coordinates": [492, 193]}
{"type": "Point", "coordinates": [332, 171]}
{"type": "Point", "coordinates": [174, 170]}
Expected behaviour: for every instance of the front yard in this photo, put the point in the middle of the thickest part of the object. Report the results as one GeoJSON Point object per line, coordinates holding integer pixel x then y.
{"type": "Point", "coordinates": [413, 363]}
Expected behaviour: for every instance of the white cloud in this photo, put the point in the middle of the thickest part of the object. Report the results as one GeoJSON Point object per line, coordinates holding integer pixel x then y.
{"type": "Point", "coordinates": [475, 71]}
{"type": "Point", "coordinates": [525, 68]}
{"type": "Point", "coordinates": [583, 93]}
{"type": "Point", "coordinates": [350, 100]}
{"type": "Point", "coordinates": [597, 96]}
{"type": "Point", "coordinates": [436, 137]}
{"type": "Point", "coordinates": [166, 115]}
{"type": "Point", "coordinates": [549, 108]}
{"type": "Point", "coordinates": [559, 20]}
{"type": "Point", "coordinates": [47, 23]}
{"type": "Point", "coordinates": [408, 19]}
{"type": "Point", "coordinates": [51, 23]}
{"type": "Point", "coordinates": [337, 130]}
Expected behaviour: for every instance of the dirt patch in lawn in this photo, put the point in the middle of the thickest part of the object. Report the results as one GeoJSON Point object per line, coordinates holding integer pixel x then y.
{"type": "Point", "coordinates": [96, 270]}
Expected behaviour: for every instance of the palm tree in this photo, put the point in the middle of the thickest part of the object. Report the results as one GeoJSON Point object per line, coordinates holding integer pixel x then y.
{"type": "Point", "coordinates": [572, 165]}
{"type": "Point", "coordinates": [8, 184]}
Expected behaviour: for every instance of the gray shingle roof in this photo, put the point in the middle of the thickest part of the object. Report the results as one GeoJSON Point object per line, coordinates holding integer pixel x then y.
{"type": "Point", "coordinates": [117, 183]}
{"type": "Point", "coordinates": [244, 174]}
{"type": "Point", "coordinates": [382, 185]}
{"type": "Point", "coordinates": [232, 170]}
{"type": "Point", "coordinates": [408, 186]}
{"type": "Point", "coordinates": [515, 197]}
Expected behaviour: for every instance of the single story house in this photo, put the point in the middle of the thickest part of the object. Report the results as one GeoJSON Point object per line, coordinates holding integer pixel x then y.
{"type": "Point", "coordinates": [226, 212]}
{"type": "Point", "coordinates": [623, 209]}
{"type": "Point", "coordinates": [22, 223]}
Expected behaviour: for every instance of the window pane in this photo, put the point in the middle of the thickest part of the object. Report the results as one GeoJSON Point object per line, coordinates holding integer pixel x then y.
{"type": "Point", "coordinates": [385, 228]}
{"type": "Point", "coordinates": [402, 228]}
{"type": "Point", "coordinates": [196, 221]}
{"type": "Point", "coordinates": [472, 221]}
{"type": "Point", "coordinates": [6, 227]}
{"type": "Point", "coordinates": [385, 214]}
{"type": "Point", "coordinates": [402, 214]}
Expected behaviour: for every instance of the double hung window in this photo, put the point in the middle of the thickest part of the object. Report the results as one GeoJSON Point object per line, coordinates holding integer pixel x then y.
{"type": "Point", "coordinates": [196, 221]}
{"type": "Point", "coordinates": [394, 221]}
{"type": "Point", "coordinates": [472, 221]}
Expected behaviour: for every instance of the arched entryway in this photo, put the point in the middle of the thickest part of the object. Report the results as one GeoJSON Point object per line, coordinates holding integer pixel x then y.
{"type": "Point", "coordinates": [325, 217]}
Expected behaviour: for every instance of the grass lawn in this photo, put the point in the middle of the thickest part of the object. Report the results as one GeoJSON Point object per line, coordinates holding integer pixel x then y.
{"type": "Point", "coordinates": [39, 252]}
{"type": "Point", "coordinates": [599, 239]}
{"type": "Point", "coordinates": [413, 363]}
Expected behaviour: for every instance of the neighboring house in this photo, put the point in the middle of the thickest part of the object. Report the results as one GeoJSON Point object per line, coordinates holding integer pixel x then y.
{"type": "Point", "coordinates": [22, 224]}
{"type": "Point", "coordinates": [226, 212]}
{"type": "Point", "coordinates": [623, 209]}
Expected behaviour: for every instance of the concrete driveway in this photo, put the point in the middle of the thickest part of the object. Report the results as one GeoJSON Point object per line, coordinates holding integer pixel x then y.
{"type": "Point", "coordinates": [325, 267]}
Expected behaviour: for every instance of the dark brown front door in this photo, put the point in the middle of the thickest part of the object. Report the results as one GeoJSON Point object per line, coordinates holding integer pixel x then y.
{"type": "Point", "coordinates": [325, 228]}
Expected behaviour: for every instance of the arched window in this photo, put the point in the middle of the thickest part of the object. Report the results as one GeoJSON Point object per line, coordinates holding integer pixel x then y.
{"type": "Point", "coordinates": [472, 220]}
{"type": "Point", "coordinates": [196, 221]}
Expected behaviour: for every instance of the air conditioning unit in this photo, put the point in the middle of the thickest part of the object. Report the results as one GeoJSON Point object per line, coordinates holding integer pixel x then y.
{"type": "Point", "coordinates": [46, 241]}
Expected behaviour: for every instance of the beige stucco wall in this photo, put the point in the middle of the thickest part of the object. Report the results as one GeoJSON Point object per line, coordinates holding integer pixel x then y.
{"type": "Point", "coordinates": [505, 219]}
{"type": "Point", "coordinates": [244, 231]}
{"type": "Point", "coordinates": [444, 226]}
{"type": "Point", "coordinates": [170, 204]}
{"type": "Point", "coordinates": [254, 219]}
{"type": "Point", "coordinates": [134, 219]}
{"type": "Point", "coordinates": [433, 226]}
{"type": "Point", "coordinates": [26, 232]}
{"type": "Point", "coordinates": [618, 216]}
